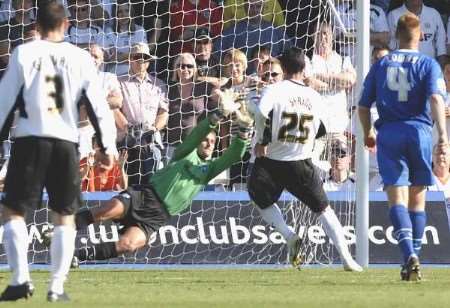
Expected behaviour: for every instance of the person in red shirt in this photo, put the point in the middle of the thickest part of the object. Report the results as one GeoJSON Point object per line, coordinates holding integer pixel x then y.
{"type": "Point", "coordinates": [93, 178]}
{"type": "Point", "coordinates": [185, 14]}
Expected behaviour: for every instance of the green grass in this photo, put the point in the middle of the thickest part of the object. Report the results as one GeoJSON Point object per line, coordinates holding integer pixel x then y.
{"type": "Point", "coordinates": [325, 288]}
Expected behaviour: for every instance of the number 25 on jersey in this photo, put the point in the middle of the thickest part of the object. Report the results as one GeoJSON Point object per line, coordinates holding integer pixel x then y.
{"type": "Point", "coordinates": [295, 130]}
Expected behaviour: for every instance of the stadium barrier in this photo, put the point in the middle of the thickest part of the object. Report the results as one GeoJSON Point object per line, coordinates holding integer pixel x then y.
{"type": "Point", "coordinates": [224, 228]}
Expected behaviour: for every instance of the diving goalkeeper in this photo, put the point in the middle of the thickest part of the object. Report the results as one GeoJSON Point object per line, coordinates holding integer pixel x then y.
{"type": "Point", "coordinates": [143, 209]}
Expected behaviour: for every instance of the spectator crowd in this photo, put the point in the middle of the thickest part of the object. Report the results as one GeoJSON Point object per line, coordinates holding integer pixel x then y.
{"type": "Point", "coordinates": [163, 64]}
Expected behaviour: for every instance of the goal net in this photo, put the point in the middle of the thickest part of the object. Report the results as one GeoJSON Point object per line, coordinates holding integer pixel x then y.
{"type": "Point", "coordinates": [221, 226]}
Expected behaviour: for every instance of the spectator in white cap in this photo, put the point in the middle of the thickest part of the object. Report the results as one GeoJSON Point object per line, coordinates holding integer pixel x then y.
{"type": "Point", "coordinates": [146, 110]}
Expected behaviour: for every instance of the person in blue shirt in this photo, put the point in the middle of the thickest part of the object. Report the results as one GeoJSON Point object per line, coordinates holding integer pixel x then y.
{"type": "Point", "coordinates": [408, 89]}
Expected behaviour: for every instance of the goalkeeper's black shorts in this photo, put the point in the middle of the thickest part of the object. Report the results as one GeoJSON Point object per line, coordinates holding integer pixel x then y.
{"type": "Point", "coordinates": [301, 178]}
{"type": "Point", "coordinates": [143, 209]}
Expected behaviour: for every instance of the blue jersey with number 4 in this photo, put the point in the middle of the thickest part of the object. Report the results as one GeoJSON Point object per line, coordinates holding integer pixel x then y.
{"type": "Point", "coordinates": [401, 84]}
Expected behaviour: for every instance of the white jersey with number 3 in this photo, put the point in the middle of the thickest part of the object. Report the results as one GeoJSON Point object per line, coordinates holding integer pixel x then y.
{"type": "Point", "coordinates": [49, 77]}
{"type": "Point", "coordinates": [294, 113]}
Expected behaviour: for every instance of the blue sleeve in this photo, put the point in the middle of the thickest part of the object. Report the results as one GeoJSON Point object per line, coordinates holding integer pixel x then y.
{"type": "Point", "coordinates": [368, 95]}
{"type": "Point", "coordinates": [435, 83]}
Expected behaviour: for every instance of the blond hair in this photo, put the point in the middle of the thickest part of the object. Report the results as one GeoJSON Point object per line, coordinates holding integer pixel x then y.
{"type": "Point", "coordinates": [177, 62]}
{"type": "Point", "coordinates": [408, 28]}
{"type": "Point", "coordinates": [235, 55]}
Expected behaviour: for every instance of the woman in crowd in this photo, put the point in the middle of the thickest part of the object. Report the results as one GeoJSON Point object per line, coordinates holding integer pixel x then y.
{"type": "Point", "coordinates": [188, 99]}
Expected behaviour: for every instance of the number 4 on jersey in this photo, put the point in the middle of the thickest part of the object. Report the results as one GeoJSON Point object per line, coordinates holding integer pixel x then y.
{"type": "Point", "coordinates": [397, 80]}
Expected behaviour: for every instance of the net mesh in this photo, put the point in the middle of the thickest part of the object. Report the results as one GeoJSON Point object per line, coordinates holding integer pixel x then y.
{"type": "Point", "coordinates": [224, 227]}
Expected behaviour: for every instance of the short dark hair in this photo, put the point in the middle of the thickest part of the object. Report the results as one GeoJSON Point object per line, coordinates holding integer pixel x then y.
{"type": "Point", "coordinates": [50, 15]}
{"type": "Point", "coordinates": [293, 61]}
{"type": "Point", "coordinates": [259, 49]}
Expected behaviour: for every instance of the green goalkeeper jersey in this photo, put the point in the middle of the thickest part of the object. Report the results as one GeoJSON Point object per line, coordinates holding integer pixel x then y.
{"type": "Point", "coordinates": [187, 173]}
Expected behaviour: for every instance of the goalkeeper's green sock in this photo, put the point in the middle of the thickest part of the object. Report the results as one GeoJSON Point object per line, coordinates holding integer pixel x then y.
{"type": "Point", "coordinates": [101, 251]}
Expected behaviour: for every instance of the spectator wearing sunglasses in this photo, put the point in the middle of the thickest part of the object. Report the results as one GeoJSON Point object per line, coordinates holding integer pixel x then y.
{"type": "Point", "coordinates": [340, 177]}
{"type": "Point", "coordinates": [189, 99]}
{"type": "Point", "coordinates": [272, 71]}
{"type": "Point", "coordinates": [146, 110]}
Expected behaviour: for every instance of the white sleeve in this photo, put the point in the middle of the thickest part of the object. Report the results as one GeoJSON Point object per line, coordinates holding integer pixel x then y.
{"type": "Point", "coordinates": [392, 23]}
{"type": "Point", "coordinates": [380, 23]}
{"type": "Point", "coordinates": [347, 65]}
{"type": "Point", "coordinates": [441, 48]}
{"type": "Point", "coordinates": [104, 117]}
{"type": "Point", "coordinates": [262, 113]}
{"type": "Point", "coordinates": [141, 37]}
{"type": "Point", "coordinates": [448, 31]}
{"type": "Point", "coordinates": [10, 86]}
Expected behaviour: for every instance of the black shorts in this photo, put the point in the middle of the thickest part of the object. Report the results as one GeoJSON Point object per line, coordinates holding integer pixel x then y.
{"type": "Point", "coordinates": [36, 163]}
{"type": "Point", "coordinates": [143, 209]}
{"type": "Point", "coordinates": [301, 178]}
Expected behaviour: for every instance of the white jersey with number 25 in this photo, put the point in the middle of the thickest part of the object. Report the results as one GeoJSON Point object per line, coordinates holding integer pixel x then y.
{"type": "Point", "coordinates": [293, 111]}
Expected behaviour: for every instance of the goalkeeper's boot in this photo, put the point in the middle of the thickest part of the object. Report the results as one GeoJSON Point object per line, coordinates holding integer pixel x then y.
{"type": "Point", "coordinates": [350, 265]}
{"type": "Point", "coordinates": [413, 269]}
{"type": "Point", "coordinates": [13, 293]}
{"type": "Point", "coordinates": [55, 297]}
{"type": "Point", "coordinates": [295, 245]}
{"type": "Point", "coordinates": [75, 263]}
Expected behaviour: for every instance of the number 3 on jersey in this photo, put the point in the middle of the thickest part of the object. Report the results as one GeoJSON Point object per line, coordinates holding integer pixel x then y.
{"type": "Point", "coordinates": [295, 121]}
{"type": "Point", "coordinates": [397, 80]}
{"type": "Point", "coordinates": [55, 84]}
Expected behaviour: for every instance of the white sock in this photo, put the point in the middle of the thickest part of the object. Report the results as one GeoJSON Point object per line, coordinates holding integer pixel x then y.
{"type": "Point", "coordinates": [333, 228]}
{"type": "Point", "coordinates": [61, 253]}
{"type": "Point", "coordinates": [15, 241]}
{"type": "Point", "coordinates": [273, 216]}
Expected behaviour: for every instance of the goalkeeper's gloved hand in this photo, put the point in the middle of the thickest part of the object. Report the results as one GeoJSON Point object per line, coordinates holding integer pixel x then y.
{"type": "Point", "coordinates": [226, 102]}
{"type": "Point", "coordinates": [244, 118]}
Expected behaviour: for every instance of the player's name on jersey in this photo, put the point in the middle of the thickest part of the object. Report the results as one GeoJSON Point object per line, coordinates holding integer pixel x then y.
{"type": "Point", "coordinates": [57, 62]}
{"type": "Point", "coordinates": [300, 101]}
{"type": "Point", "coordinates": [404, 58]}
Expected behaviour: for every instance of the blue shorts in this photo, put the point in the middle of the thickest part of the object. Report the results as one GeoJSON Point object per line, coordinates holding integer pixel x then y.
{"type": "Point", "coordinates": [404, 153]}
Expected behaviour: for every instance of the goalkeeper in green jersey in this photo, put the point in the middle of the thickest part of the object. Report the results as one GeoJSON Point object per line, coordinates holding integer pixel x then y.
{"type": "Point", "coordinates": [143, 209]}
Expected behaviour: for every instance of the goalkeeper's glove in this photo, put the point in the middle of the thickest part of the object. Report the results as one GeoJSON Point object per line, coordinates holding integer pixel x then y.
{"type": "Point", "coordinates": [244, 119]}
{"type": "Point", "coordinates": [227, 104]}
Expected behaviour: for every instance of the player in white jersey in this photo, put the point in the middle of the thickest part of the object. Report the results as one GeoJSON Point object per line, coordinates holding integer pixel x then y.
{"type": "Point", "coordinates": [379, 30]}
{"type": "Point", "coordinates": [45, 82]}
{"type": "Point", "coordinates": [432, 42]}
{"type": "Point", "coordinates": [287, 123]}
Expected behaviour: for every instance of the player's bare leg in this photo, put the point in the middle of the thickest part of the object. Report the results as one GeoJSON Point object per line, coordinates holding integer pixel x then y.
{"type": "Point", "coordinates": [61, 253]}
{"type": "Point", "coordinates": [399, 199]}
{"type": "Point", "coordinates": [133, 239]}
{"type": "Point", "coordinates": [15, 241]}
{"type": "Point", "coordinates": [334, 230]}
{"type": "Point", "coordinates": [110, 210]}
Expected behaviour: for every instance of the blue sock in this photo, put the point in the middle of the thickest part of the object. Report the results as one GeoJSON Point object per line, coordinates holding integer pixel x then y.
{"type": "Point", "coordinates": [419, 222]}
{"type": "Point", "coordinates": [402, 230]}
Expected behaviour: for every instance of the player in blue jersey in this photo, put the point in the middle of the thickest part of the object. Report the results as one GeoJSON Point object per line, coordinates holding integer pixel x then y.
{"type": "Point", "coordinates": [408, 89]}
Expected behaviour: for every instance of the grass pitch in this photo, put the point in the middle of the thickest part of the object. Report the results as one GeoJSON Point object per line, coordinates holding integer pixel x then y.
{"type": "Point", "coordinates": [329, 287]}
